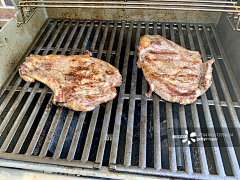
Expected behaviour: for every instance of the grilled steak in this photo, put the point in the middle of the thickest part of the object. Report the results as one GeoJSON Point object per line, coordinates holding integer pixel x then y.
{"type": "Point", "coordinates": [173, 72]}
{"type": "Point", "coordinates": [79, 82]}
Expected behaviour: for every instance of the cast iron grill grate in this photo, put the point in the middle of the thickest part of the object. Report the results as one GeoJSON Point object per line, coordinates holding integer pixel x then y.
{"type": "Point", "coordinates": [132, 133]}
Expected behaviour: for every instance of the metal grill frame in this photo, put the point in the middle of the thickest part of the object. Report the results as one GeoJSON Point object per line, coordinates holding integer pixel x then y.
{"type": "Point", "coordinates": [113, 166]}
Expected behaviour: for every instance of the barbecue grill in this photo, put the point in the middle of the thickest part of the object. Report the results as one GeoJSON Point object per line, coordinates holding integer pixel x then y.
{"type": "Point", "coordinates": [132, 136]}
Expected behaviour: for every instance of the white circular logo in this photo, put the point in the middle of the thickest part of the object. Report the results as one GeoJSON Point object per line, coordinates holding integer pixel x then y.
{"type": "Point", "coordinates": [192, 139]}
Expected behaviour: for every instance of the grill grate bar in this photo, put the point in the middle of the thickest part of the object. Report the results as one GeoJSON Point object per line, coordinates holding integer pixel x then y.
{"type": "Point", "coordinates": [76, 136]}
{"type": "Point", "coordinates": [115, 140]}
{"type": "Point", "coordinates": [13, 107]}
{"type": "Point", "coordinates": [210, 102]}
{"type": "Point", "coordinates": [207, 114]}
{"type": "Point", "coordinates": [157, 139]}
{"type": "Point", "coordinates": [51, 132]}
{"type": "Point", "coordinates": [154, 28]}
{"type": "Point", "coordinates": [52, 39]}
{"type": "Point", "coordinates": [156, 124]}
{"type": "Point", "coordinates": [170, 130]}
{"type": "Point", "coordinates": [96, 37]}
{"type": "Point", "coordinates": [79, 36]}
{"type": "Point", "coordinates": [65, 48]}
{"type": "Point", "coordinates": [171, 141]}
{"type": "Point", "coordinates": [63, 135]}
{"type": "Point", "coordinates": [57, 47]}
{"type": "Point", "coordinates": [19, 119]}
{"type": "Point", "coordinates": [103, 41]}
{"type": "Point", "coordinates": [129, 137]}
{"type": "Point", "coordinates": [45, 38]}
{"type": "Point", "coordinates": [86, 39]}
{"type": "Point", "coordinates": [40, 127]}
{"type": "Point", "coordinates": [137, 97]}
{"type": "Point", "coordinates": [30, 121]}
{"type": "Point", "coordinates": [172, 33]}
{"type": "Point", "coordinates": [10, 94]}
{"type": "Point", "coordinates": [90, 134]}
{"type": "Point", "coordinates": [113, 34]}
{"type": "Point", "coordinates": [126, 58]}
{"type": "Point", "coordinates": [183, 124]}
{"type": "Point", "coordinates": [227, 65]}
{"type": "Point", "coordinates": [143, 119]}
{"type": "Point", "coordinates": [186, 149]}
{"type": "Point", "coordinates": [220, 114]}
{"type": "Point", "coordinates": [223, 84]}
{"type": "Point", "coordinates": [120, 41]}
{"type": "Point", "coordinates": [202, 154]}
{"type": "Point", "coordinates": [48, 160]}
{"type": "Point", "coordinates": [93, 122]}
{"type": "Point", "coordinates": [103, 137]}
{"type": "Point", "coordinates": [8, 81]}
{"type": "Point", "coordinates": [176, 123]}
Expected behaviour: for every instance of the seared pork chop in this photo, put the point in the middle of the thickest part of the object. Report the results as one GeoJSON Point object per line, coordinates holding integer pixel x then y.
{"type": "Point", "coordinates": [173, 72]}
{"type": "Point", "coordinates": [79, 82]}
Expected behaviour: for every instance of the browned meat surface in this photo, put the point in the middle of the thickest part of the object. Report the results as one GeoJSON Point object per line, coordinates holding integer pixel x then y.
{"type": "Point", "coordinates": [173, 72]}
{"type": "Point", "coordinates": [79, 82]}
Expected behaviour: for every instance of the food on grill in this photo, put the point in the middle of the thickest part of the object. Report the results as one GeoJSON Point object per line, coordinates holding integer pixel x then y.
{"type": "Point", "coordinates": [173, 72]}
{"type": "Point", "coordinates": [79, 82]}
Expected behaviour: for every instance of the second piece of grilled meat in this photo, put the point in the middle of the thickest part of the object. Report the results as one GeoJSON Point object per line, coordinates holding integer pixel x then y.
{"type": "Point", "coordinates": [173, 72]}
{"type": "Point", "coordinates": [79, 82]}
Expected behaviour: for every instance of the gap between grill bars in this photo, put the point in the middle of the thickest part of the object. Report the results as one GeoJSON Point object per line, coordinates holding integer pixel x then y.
{"type": "Point", "coordinates": [132, 133]}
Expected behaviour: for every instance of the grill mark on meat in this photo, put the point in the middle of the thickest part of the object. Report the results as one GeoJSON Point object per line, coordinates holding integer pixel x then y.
{"type": "Point", "coordinates": [172, 87]}
{"type": "Point", "coordinates": [174, 92]}
{"type": "Point", "coordinates": [108, 72]}
{"type": "Point", "coordinates": [80, 68]}
{"type": "Point", "coordinates": [169, 57]}
{"type": "Point", "coordinates": [162, 52]}
{"type": "Point", "coordinates": [155, 43]}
